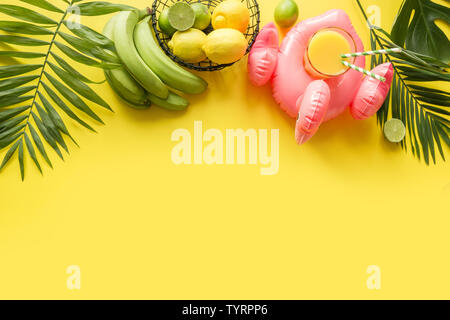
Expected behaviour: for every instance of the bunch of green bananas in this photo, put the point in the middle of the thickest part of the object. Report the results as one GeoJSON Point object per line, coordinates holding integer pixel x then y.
{"type": "Point", "coordinates": [147, 73]}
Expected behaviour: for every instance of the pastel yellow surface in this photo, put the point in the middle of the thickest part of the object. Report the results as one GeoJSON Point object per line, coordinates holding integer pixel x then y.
{"type": "Point", "coordinates": [325, 50]}
{"type": "Point", "coordinates": [140, 227]}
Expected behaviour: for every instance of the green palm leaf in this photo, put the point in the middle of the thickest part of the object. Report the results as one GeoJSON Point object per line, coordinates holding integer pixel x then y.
{"type": "Point", "coordinates": [81, 58]}
{"type": "Point", "coordinates": [79, 86]}
{"type": "Point", "coordinates": [72, 97]}
{"type": "Point", "coordinates": [15, 70]}
{"type": "Point", "coordinates": [98, 8]}
{"type": "Point", "coordinates": [93, 36]}
{"type": "Point", "coordinates": [17, 81]}
{"type": "Point", "coordinates": [424, 110]}
{"type": "Point", "coordinates": [23, 41]}
{"type": "Point", "coordinates": [32, 152]}
{"type": "Point", "coordinates": [30, 129]}
{"type": "Point", "coordinates": [44, 5]}
{"type": "Point", "coordinates": [66, 66]}
{"type": "Point", "coordinates": [90, 48]}
{"type": "Point", "coordinates": [24, 28]}
{"type": "Point", "coordinates": [24, 55]}
{"type": "Point", "coordinates": [416, 28]}
{"type": "Point", "coordinates": [25, 14]}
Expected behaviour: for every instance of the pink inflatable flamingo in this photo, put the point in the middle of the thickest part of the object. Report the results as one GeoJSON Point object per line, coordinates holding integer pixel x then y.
{"type": "Point", "coordinates": [312, 99]}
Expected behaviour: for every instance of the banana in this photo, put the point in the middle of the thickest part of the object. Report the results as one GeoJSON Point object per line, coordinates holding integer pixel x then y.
{"type": "Point", "coordinates": [130, 90]}
{"type": "Point", "coordinates": [174, 102]}
{"type": "Point", "coordinates": [167, 70]}
{"type": "Point", "coordinates": [137, 102]}
{"type": "Point", "coordinates": [121, 80]}
{"type": "Point", "coordinates": [126, 49]}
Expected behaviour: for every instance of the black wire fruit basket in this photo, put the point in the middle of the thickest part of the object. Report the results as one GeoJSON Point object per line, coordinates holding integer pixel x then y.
{"type": "Point", "coordinates": [206, 65]}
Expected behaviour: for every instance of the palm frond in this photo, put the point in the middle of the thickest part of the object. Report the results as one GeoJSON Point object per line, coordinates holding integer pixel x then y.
{"type": "Point", "coordinates": [45, 86]}
{"type": "Point", "coordinates": [424, 110]}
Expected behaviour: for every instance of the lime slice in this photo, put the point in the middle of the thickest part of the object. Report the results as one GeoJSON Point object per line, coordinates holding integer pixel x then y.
{"type": "Point", "coordinates": [181, 16]}
{"type": "Point", "coordinates": [394, 130]}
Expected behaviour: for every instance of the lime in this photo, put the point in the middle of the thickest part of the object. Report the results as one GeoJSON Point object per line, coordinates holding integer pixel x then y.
{"type": "Point", "coordinates": [202, 16]}
{"type": "Point", "coordinates": [181, 16]}
{"type": "Point", "coordinates": [394, 130]}
{"type": "Point", "coordinates": [286, 13]}
{"type": "Point", "coordinates": [164, 24]}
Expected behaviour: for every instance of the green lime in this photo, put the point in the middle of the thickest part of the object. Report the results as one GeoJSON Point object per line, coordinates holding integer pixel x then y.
{"type": "Point", "coordinates": [181, 16]}
{"type": "Point", "coordinates": [394, 130]}
{"type": "Point", "coordinates": [202, 16]}
{"type": "Point", "coordinates": [286, 13]}
{"type": "Point", "coordinates": [164, 24]}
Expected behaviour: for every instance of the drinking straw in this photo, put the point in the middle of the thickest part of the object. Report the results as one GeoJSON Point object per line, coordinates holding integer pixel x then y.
{"type": "Point", "coordinates": [368, 73]}
{"type": "Point", "coordinates": [371, 53]}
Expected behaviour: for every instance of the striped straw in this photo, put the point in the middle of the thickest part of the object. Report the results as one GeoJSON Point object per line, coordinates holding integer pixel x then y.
{"type": "Point", "coordinates": [368, 73]}
{"type": "Point", "coordinates": [371, 53]}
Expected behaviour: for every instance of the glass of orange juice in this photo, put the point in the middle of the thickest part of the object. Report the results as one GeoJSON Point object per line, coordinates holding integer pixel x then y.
{"type": "Point", "coordinates": [323, 55]}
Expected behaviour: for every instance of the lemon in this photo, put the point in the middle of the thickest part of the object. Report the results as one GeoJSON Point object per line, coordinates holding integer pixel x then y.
{"type": "Point", "coordinates": [187, 45]}
{"type": "Point", "coordinates": [231, 14]}
{"type": "Point", "coordinates": [225, 46]}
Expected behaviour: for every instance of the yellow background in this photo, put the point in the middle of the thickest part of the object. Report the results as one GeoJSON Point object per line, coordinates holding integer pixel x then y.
{"type": "Point", "coordinates": [140, 227]}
